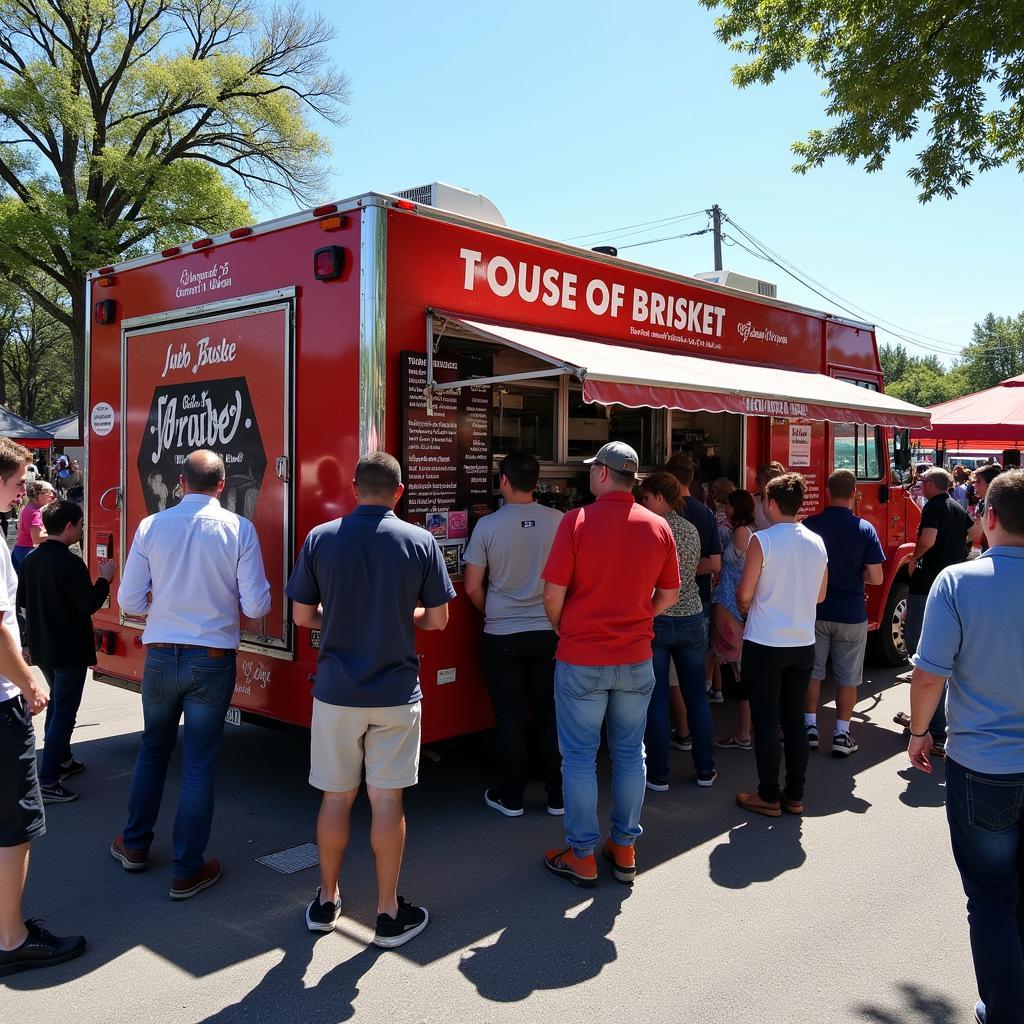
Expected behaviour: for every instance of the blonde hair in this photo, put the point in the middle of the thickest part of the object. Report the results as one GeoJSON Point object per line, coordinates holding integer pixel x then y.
{"type": "Point", "coordinates": [721, 489]}
{"type": "Point", "coordinates": [36, 488]}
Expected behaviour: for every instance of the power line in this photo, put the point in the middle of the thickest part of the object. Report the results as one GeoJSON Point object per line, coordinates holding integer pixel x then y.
{"type": "Point", "coordinates": [628, 227]}
{"type": "Point", "coordinates": [667, 238]}
{"type": "Point", "coordinates": [944, 347]}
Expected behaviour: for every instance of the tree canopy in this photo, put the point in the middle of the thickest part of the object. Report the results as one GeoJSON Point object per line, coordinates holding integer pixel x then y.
{"type": "Point", "coordinates": [127, 124]}
{"type": "Point", "coordinates": [952, 73]}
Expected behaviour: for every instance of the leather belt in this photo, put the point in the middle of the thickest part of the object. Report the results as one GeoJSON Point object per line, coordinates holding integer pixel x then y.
{"type": "Point", "coordinates": [211, 652]}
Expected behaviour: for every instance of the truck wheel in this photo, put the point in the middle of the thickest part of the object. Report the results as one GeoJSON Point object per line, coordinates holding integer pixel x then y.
{"type": "Point", "coordinates": [887, 644]}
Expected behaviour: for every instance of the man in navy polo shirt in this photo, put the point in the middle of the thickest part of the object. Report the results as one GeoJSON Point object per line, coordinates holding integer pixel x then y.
{"type": "Point", "coordinates": [855, 558]}
{"type": "Point", "coordinates": [365, 581]}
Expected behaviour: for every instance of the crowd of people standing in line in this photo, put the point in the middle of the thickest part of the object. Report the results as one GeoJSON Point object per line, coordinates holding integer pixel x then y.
{"type": "Point", "coordinates": [584, 616]}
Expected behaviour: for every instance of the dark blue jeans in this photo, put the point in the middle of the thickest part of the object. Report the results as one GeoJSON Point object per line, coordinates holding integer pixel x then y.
{"type": "Point", "coordinates": [177, 680]}
{"type": "Point", "coordinates": [66, 686]}
{"type": "Point", "coordinates": [986, 826]}
{"type": "Point", "coordinates": [684, 640]}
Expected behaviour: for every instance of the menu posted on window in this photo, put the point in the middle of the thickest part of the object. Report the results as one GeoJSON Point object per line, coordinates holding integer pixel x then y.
{"type": "Point", "coordinates": [446, 455]}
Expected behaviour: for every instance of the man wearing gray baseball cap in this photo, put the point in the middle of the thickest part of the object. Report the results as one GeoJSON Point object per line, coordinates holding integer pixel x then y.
{"type": "Point", "coordinates": [611, 569]}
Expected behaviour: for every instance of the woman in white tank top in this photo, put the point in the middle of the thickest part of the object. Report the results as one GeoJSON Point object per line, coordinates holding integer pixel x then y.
{"type": "Point", "coordinates": [784, 578]}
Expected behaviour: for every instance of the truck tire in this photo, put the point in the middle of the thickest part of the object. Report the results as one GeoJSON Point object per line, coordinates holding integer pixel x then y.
{"type": "Point", "coordinates": [887, 644]}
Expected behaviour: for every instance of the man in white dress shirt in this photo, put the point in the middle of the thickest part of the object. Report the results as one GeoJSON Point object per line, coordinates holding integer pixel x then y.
{"type": "Point", "coordinates": [190, 570]}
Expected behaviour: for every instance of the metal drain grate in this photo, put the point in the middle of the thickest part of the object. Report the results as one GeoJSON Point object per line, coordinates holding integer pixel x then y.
{"type": "Point", "coordinates": [295, 858]}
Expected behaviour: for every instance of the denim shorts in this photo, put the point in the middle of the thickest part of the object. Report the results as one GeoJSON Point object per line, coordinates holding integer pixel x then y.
{"type": "Point", "coordinates": [21, 803]}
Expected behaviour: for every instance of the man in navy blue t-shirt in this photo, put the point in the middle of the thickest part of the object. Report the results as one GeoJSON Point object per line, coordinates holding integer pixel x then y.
{"type": "Point", "coordinates": [366, 581]}
{"type": "Point", "coordinates": [855, 558]}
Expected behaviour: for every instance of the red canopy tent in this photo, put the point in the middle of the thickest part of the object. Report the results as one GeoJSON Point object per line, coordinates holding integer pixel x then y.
{"type": "Point", "coordinates": [986, 419]}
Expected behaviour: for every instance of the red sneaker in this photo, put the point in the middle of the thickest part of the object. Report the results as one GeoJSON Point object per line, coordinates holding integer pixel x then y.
{"type": "Point", "coordinates": [623, 859]}
{"type": "Point", "coordinates": [131, 860]}
{"type": "Point", "coordinates": [579, 870]}
{"type": "Point", "coordinates": [207, 875]}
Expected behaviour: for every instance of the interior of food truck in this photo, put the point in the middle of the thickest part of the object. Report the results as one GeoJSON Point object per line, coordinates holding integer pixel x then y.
{"type": "Point", "coordinates": [550, 418]}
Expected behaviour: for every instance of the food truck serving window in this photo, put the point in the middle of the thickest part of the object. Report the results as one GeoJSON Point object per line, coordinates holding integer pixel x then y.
{"type": "Point", "coordinates": [525, 419]}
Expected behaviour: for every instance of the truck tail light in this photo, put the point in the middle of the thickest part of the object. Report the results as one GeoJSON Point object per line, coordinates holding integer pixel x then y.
{"type": "Point", "coordinates": [106, 640]}
{"type": "Point", "coordinates": [328, 262]}
{"type": "Point", "coordinates": [105, 311]}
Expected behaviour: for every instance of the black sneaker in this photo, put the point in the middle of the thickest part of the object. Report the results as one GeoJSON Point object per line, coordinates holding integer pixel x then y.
{"type": "Point", "coordinates": [321, 917]}
{"type": "Point", "coordinates": [70, 767]}
{"type": "Point", "coordinates": [492, 799]}
{"type": "Point", "coordinates": [40, 949]}
{"type": "Point", "coordinates": [57, 794]}
{"type": "Point", "coordinates": [843, 745]}
{"type": "Point", "coordinates": [406, 925]}
{"type": "Point", "coordinates": [812, 736]}
{"type": "Point", "coordinates": [680, 742]}
{"type": "Point", "coordinates": [706, 779]}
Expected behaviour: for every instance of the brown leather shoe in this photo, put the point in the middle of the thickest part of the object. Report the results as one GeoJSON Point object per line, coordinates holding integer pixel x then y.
{"type": "Point", "coordinates": [752, 802]}
{"type": "Point", "coordinates": [791, 806]}
{"type": "Point", "coordinates": [207, 875]}
{"type": "Point", "coordinates": [131, 860]}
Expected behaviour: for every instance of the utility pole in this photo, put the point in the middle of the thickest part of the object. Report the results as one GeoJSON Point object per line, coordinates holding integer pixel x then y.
{"type": "Point", "coordinates": [716, 216]}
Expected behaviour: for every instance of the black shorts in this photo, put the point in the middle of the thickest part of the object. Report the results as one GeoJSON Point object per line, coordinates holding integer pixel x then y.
{"type": "Point", "coordinates": [21, 803]}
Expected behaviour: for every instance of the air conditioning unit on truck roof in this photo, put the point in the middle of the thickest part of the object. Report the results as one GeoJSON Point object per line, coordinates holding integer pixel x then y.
{"type": "Point", "coordinates": [455, 200]}
{"type": "Point", "coordinates": [731, 279]}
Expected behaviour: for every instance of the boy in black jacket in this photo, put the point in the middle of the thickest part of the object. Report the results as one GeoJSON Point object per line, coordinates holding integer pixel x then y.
{"type": "Point", "coordinates": [59, 600]}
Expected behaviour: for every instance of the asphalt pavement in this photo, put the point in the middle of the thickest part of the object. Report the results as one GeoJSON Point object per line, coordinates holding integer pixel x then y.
{"type": "Point", "coordinates": [853, 913]}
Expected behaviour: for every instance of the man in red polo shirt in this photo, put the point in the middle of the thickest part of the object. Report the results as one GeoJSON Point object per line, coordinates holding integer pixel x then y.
{"type": "Point", "coordinates": [611, 569]}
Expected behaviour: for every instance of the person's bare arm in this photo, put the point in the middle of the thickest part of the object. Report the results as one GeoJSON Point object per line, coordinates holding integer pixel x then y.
{"type": "Point", "coordinates": [925, 542]}
{"type": "Point", "coordinates": [925, 694]}
{"type": "Point", "coordinates": [15, 668]}
{"type": "Point", "coordinates": [751, 574]}
{"type": "Point", "coordinates": [873, 574]}
{"type": "Point", "coordinates": [473, 584]}
{"type": "Point", "coordinates": [710, 563]}
{"type": "Point", "coordinates": [431, 618]}
{"type": "Point", "coordinates": [310, 616]}
{"type": "Point", "coordinates": [823, 589]}
{"type": "Point", "coordinates": [554, 602]}
{"type": "Point", "coordinates": [976, 532]}
{"type": "Point", "coordinates": [663, 599]}
{"type": "Point", "coordinates": [38, 535]}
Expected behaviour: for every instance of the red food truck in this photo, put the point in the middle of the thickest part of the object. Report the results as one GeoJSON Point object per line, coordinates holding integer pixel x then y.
{"type": "Point", "coordinates": [296, 346]}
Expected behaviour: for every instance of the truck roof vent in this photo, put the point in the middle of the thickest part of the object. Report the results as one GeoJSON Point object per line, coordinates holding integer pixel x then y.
{"type": "Point", "coordinates": [731, 279]}
{"type": "Point", "coordinates": [454, 200]}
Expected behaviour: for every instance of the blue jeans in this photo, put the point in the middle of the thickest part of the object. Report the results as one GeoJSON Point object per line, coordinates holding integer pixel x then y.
{"type": "Point", "coordinates": [66, 686]}
{"type": "Point", "coordinates": [177, 680]}
{"type": "Point", "coordinates": [585, 695]}
{"type": "Point", "coordinates": [683, 640]}
{"type": "Point", "coordinates": [986, 826]}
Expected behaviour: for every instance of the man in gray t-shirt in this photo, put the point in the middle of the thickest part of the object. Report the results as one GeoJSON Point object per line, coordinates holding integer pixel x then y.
{"type": "Point", "coordinates": [509, 548]}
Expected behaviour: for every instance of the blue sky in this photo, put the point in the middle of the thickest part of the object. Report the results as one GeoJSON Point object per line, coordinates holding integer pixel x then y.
{"type": "Point", "coordinates": [578, 118]}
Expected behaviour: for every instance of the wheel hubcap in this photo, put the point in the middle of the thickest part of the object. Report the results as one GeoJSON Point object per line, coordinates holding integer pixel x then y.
{"type": "Point", "coordinates": [899, 618]}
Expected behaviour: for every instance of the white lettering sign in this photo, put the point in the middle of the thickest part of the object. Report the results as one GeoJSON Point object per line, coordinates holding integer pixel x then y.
{"type": "Point", "coordinates": [200, 425]}
{"type": "Point", "coordinates": [553, 287]}
{"type": "Point", "coordinates": [102, 419]}
{"type": "Point", "coordinates": [775, 407]}
{"type": "Point", "coordinates": [205, 355]}
{"type": "Point", "coordinates": [199, 282]}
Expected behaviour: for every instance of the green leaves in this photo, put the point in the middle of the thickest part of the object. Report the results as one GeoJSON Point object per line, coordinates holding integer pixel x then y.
{"type": "Point", "coordinates": [950, 75]}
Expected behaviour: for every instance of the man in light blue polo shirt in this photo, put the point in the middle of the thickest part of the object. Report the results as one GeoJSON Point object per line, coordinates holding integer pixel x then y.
{"type": "Point", "coordinates": [974, 635]}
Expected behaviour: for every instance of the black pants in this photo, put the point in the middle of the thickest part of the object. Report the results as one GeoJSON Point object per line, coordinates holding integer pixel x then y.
{"type": "Point", "coordinates": [776, 679]}
{"type": "Point", "coordinates": [520, 672]}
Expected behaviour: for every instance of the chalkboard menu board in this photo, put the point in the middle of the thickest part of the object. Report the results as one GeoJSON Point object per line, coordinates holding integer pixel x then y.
{"type": "Point", "coordinates": [446, 456]}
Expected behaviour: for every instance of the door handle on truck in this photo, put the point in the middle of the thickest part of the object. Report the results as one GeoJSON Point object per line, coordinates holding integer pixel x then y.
{"type": "Point", "coordinates": [118, 500]}
{"type": "Point", "coordinates": [282, 468]}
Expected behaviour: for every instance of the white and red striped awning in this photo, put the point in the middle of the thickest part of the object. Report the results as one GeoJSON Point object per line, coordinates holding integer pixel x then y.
{"type": "Point", "coordinates": [614, 374]}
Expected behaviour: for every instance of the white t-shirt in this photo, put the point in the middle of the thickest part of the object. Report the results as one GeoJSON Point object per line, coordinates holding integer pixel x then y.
{"type": "Point", "coordinates": [785, 604]}
{"type": "Point", "coordinates": [8, 595]}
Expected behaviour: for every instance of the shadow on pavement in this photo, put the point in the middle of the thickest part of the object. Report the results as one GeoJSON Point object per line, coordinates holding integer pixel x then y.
{"type": "Point", "coordinates": [480, 875]}
{"type": "Point", "coordinates": [918, 1007]}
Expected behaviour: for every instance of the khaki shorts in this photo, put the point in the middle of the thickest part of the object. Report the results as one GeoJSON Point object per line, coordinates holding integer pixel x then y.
{"type": "Point", "coordinates": [344, 739]}
{"type": "Point", "coordinates": [846, 643]}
